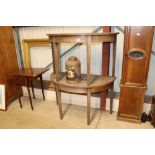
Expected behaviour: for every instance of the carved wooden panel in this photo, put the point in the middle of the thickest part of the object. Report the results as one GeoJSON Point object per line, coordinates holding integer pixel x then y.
{"type": "Point", "coordinates": [131, 100]}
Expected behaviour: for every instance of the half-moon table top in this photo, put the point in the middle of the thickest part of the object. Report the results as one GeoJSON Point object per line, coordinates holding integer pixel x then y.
{"type": "Point", "coordinates": [97, 83]}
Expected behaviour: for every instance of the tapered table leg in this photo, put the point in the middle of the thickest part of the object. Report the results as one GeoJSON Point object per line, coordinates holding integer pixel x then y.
{"type": "Point", "coordinates": [28, 89]}
{"type": "Point", "coordinates": [42, 87]}
{"type": "Point", "coordinates": [88, 106]}
{"type": "Point", "coordinates": [111, 99]}
{"type": "Point", "coordinates": [31, 82]}
{"type": "Point", "coordinates": [58, 96]}
{"type": "Point", "coordinates": [18, 89]}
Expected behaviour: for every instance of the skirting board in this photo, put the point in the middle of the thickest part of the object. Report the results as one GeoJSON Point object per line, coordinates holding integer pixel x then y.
{"type": "Point", "coordinates": [79, 99]}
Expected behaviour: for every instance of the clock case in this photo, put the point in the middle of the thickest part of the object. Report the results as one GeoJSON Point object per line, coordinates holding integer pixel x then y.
{"type": "Point", "coordinates": [136, 59]}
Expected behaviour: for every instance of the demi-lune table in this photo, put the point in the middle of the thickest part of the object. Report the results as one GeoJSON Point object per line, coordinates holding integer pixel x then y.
{"type": "Point", "coordinates": [89, 83]}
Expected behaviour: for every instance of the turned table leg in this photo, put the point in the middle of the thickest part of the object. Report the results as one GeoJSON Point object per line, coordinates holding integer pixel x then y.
{"type": "Point", "coordinates": [42, 87]}
{"type": "Point", "coordinates": [31, 82]}
{"type": "Point", "coordinates": [58, 96]}
{"type": "Point", "coordinates": [18, 89]}
{"type": "Point", "coordinates": [88, 105]}
{"type": "Point", "coordinates": [28, 89]}
{"type": "Point", "coordinates": [111, 99]}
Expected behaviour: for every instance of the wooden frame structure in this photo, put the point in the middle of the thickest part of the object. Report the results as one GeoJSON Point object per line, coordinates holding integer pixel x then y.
{"type": "Point", "coordinates": [28, 43]}
{"type": "Point", "coordinates": [136, 59]}
{"type": "Point", "coordinates": [105, 66]}
{"type": "Point", "coordinates": [89, 83]}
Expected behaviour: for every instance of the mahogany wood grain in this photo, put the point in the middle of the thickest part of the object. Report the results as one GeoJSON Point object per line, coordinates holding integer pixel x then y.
{"type": "Point", "coordinates": [30, 72]}
{"type": "Point", "coordinates": [88, 58]}
{"type": "Point", "coordinates": [131, 103]}
{"type": "Point", "coordinates": [82, 37]}
{"type": "Point", "coordinates": [42, 87]}
{"type": "Point", "coordinates": [88, 105]}
{"type": "Point", "coordinates": [105, 66]}
{"type": "Point", "coordinates": [28, 75]}
{"type": "Point", "coordinates": [134, 72]}
{"type": "Point", "coordinates": [111, 98]}
{"type": "Point", "coordinates": [28, 89]}
{"type": "Point", "coordinates": [18, 87]}
{"type": "Point", "coordinates": [56, 59]}
{"type": "Point", "coordinates": [58, 97]}
{"type": "Point", "coordinates": [114, 58]}
{"type": "Point", "coordinates": [31, 82]}
{"type": "Point", "coordinates": [81, 34]}
{"type": "Point", "coordinates": [97, 84]}
{"type": "Point", "coordinates": [8, 62]}
{"type": "Point", "coordinates": [89, 83]}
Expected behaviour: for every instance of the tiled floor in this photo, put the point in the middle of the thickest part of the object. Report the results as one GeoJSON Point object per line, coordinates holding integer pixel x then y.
{"type": "Point", "coordinates": [45, 115]}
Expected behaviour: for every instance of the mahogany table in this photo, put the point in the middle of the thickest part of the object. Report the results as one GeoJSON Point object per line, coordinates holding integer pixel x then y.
{"type": "Point", "coordinates": [29, 74]}
{"type": "Point", "coordinates": [89, 83]}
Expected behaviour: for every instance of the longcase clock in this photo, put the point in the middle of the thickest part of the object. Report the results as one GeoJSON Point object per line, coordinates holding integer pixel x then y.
{"type": "Point", "coordinates": [136, 58]}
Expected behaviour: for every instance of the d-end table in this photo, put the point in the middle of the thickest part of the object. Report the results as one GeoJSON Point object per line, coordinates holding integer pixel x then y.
{"type": "Point", "coordinates": [29, 74]}
{"type": "Point", "coordinates": [89, 83]}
